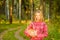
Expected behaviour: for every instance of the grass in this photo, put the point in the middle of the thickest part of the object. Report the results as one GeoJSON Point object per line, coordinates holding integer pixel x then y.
{"type": "Point", "coordinates": [22, 32]}
{"type": "Point", "coordinates": [53, 31]}
{"type": "Point", "coordinates": [9, 35]}
{"type": "Point", "coordinates": [7, 26]}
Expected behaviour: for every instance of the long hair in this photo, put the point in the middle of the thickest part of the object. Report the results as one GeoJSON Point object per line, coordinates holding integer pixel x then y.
{"type": "Point", "coordinates": [40, 12]}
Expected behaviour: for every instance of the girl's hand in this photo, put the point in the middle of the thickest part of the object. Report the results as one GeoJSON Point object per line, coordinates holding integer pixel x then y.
{"type": "Point", "coordinates": [32, 33]}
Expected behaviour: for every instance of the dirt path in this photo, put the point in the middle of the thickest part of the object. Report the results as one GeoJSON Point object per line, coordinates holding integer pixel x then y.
{"type": "Point", "coordinates": [3, 33]}
{"type": "Point", "coordinates": [17, 35]}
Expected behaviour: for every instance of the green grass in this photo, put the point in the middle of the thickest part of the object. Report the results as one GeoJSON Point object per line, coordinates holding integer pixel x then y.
{"type": "Point", "coordinates": [9, 35]}
{"type": "Point", "coordinates": [53, 31]}
{"type": "Point", "coordinates": [4, 27]}
{"type": "Point", "coordinates": [23, 27]}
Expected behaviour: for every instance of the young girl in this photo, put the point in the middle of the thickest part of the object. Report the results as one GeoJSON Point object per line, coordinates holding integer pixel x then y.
{"type": "Point", "coordinates": [37, 30]}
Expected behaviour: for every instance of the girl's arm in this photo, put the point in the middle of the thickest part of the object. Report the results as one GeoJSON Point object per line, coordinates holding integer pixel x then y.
{"type": "Point", "coordinates": [26, 30]}
{"type": "Point", "coordinates": [45, 32]}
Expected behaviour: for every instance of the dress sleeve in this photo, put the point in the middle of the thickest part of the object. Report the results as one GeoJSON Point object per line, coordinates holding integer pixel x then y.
{"type": "Point", "coordinates": [26, 30]}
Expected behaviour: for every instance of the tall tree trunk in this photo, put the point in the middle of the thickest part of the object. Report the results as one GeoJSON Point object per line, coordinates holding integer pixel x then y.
{"type": "Point", "coordinates": [11, 9]}
{"type": "Point", "coordinates": [7, 9]}
{"type": "Point", "coordinates": [31, 1]}
{"type": "Point", "coordinates": [20, 10]}
{"type": "Point", "coordinates": [17, 10]}
{"type": "Point", "coordinates": [10, 14]}
{"type": "Point", "coordinates": [50, 10]}
{"type": "Point", "coordinates": [42, 6]}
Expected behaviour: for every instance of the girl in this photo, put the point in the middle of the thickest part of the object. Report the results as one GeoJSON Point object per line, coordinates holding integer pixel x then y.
{"type": "Point", "coordinates": [37, 30]}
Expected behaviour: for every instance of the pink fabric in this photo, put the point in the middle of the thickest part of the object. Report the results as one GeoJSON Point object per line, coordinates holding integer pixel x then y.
{"type": "Point", "coordinates": [41, 28]}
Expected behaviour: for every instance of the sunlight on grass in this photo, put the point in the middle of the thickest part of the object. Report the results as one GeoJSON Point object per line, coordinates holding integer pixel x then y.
{"type": "Point", "coordinates": [9, 36]}
{"type": "Point", "coordinates": [4, 27]}
{"type": "Point", "coordinates": [22, 32]}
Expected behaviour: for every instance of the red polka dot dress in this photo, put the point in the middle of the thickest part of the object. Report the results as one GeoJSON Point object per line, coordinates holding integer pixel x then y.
{"type": "Point", "coordinates": [41, 29]}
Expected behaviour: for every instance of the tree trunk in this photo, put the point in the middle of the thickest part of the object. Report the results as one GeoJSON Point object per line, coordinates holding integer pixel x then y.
{"type": "Point", "coordinates": [42, 6]}
{"type": "Point", "coordinates": [50, 10]}
{"type": "Point", "coordinates": [10, 14]}
{"type": "Point", "coordinates": [7, 9]}
{"type": "Point", "coordinates": [32, 9]}
{"type": "Point", "coordinates": [20, 10]}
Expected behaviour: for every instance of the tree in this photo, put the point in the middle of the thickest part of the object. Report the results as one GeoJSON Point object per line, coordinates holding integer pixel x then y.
{"type": "Point", "coordinates": [20, 10]}
{"type": "Point", "coordinates": [7, 9]}
{"type": "Point", "coordinates": [10, 8]}
{"type": "Point", "coordinates": [31, 3]}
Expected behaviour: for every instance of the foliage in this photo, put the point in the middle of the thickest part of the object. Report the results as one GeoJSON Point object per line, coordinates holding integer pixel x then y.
{"type": "Point", "coordinates": [53, 26]}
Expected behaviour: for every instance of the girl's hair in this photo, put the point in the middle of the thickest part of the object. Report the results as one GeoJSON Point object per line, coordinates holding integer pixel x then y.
{"type": "Point", "coordinates": [40, 12]}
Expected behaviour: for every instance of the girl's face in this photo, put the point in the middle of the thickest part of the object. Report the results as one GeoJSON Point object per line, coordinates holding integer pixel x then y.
{"type": "Point", "coordinates": [38, 16]}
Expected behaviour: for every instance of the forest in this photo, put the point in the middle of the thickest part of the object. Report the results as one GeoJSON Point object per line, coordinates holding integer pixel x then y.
{"type": "Point", "coordinates": [16, 15]}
